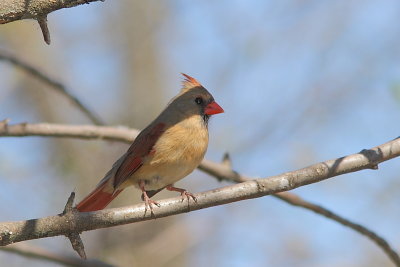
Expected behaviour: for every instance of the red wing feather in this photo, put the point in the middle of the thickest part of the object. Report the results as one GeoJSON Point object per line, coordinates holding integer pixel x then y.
{"type": "Point", "coordinates": [141, 147]}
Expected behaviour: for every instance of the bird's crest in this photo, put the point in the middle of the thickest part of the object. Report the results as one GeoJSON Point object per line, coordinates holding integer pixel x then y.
{"type": "Point", "coordinates": [189, 82]}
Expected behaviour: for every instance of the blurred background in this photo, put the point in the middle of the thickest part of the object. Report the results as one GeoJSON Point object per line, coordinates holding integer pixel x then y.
{"type": "Point", "coordinates": [300, 82]}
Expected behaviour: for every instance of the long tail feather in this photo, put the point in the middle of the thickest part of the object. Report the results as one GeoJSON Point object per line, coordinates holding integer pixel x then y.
{"type": "Point", "coordinates": [98, 199]}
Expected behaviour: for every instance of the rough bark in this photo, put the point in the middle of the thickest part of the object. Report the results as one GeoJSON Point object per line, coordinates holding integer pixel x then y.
{"type": "Point", "coordinates": [12, 10]}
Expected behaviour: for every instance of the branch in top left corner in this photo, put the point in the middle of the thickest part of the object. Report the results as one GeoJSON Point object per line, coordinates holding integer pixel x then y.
{"type": "Point", "coordinates": [14, 10]}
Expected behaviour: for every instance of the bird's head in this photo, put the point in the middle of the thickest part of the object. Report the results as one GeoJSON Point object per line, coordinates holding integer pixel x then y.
{"type": "Point", "coordinates": [194, 99]}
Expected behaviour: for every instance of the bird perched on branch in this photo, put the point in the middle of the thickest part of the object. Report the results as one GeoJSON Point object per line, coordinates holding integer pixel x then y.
{"type": "Point", "coordinates": [167, 150]}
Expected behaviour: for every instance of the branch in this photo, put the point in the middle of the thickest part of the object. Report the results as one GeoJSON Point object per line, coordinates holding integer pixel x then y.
{"type": "Point", "coordinates": [12, 232]}
{"type": "Point", "coordinates": [41, 254]}
{"type": "Point", "coordinates": [379, 241]}
{"type": "Point", "coordinates": [224, 171]}
{"type": "Point", "coordinates": [56, 85]}
{"type": "Point", "coordinates": [121, 134]}
{"type": "Point", "coordinates": [12, 10]}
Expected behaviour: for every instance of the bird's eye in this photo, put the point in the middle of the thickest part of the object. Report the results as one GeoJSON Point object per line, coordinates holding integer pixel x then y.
{"type": "Point", "coordinates": [198, 100]}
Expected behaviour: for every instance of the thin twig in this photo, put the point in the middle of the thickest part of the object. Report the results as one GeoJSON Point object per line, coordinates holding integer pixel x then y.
{"type": "Point", "coordinates": [74, 237]}
{"type": "Point", "coordinates": [378, 240]}
{"type": "Point", "coordinates": [45, 29]}
{"type": "Point", "coordinates": [56, 85]}
{"type": "Point", "coordinates": [38, 253]}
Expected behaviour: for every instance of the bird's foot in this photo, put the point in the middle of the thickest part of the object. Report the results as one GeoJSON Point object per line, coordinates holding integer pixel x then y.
{"type": "Point", "coordinates": [148, 203]}
{"type": "Point", "coordinates": [184, 193]}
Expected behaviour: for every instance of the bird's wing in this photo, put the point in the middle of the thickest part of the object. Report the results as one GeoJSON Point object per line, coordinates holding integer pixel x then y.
{"type": "Point", "coordinates": [141, 147]}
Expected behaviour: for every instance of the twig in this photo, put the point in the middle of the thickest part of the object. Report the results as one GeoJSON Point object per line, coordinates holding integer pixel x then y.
{"type": "Point", "coordinates": [379, 241]}
{"type": "Point", "coordinates": [38, 253]}
{"type": "Point", "coordinates": [74, 238]}
{"type": "Point", "coordinates": [56, 85]}
{"type": "Point", "coordinates": [69, 206]}
{"type": "Point", "coordinates": [77, 244]}
{"type": "Point", "coordinates": [45, 29]}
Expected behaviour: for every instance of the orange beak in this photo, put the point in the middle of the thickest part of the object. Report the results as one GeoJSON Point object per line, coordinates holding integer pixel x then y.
{"type": "Point", "coordinates": [213, 108]}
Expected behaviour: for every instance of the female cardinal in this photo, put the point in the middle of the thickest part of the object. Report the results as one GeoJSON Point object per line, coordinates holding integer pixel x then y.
{"type": "Point", "coordinates": [167, 150]}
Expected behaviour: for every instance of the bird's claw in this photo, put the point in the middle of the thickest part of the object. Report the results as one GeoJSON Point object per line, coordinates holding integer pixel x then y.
{"type": "Point", "coordinates": [188, 195]}
{"type": "Point", "coordinates": [148, 204]}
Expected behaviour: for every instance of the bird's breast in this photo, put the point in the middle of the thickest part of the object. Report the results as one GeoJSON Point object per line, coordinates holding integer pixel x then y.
{"type": "Point", "coordinates": [185, 141]}
{"type": "Point", "coordinates": [177, 153]}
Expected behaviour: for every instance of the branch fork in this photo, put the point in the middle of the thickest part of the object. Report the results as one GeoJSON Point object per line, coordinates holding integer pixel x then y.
{"type": "Point", "coordinates": [12, 10]}
{"type": "Point", "coordinates": [69, 212]}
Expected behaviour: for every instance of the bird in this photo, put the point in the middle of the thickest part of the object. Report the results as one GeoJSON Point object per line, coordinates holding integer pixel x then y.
{"type": "Point", "coordinates": [164, 152]}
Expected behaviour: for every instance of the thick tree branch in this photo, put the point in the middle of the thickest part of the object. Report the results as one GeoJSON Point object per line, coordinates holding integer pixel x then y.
{"type": "Point", "coordinates": [12, 10]}
{"type": "Point", "coordinates": [56, 85]}
{"type": "Point", "coordinates": [12, 232]}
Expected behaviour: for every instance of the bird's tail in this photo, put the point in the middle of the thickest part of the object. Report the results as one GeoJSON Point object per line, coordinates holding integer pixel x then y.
{"type": "Point", "coordinates": [98, 199]}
